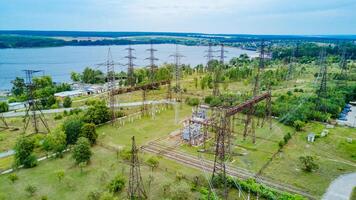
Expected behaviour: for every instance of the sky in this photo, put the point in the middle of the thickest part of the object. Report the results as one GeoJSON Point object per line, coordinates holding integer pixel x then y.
{"type": "Point", "coordinates": [296, 17]}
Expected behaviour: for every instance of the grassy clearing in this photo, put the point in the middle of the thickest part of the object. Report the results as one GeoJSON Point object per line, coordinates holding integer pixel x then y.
{"type": "Point", "coordinates": [334, 157]}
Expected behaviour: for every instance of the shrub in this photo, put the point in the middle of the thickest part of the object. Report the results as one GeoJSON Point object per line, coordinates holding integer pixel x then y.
{"type": "Point", "coordinates": [60, 175]}
{"type": "Point", "coordinates": [13, 177]}
{"type": "Point", "coordinates": [94, 195]}
{"type": "Point", "coordinates": [192, 101]}
{"type": "Point", "coordinates": [31, 189]}
{"type": "Point", "coordinates": [89, 131]}
{"type": "Point", "coordinates": [308, 163]}
{"type": "Point", "coordinates": [97, 113]}
{"type": "Point", "coordinates": [298, 125]}
{"type": "Point", "coordinates": [67, 102]}
{"type": "Point", "coordinates": [55, 142]}
{"type": "Point", "coordinates": [81, 151]}
{"type": "Point", "coordinates": [58, 117]}
{"type": "Point", "coordinates": [153, 162]}
{"type": "Point", "coordinates": [117, 184]}
{"type": "Point", "coordinates": [72, 127]}
{"type": "Point", "coordinates": [23, 152]}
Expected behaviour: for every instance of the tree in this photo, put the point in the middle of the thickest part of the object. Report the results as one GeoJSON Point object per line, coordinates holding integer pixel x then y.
{"type": "Point", "coordinates": [81, 151]}
{"type": "Point", "coordinates": [4, 107]}
{"type": "Point", "coordinates": [55, 142]}
{"type": "Point", "coordinates": [75, 76]}
{"type": "Point", "coordinates": [24, 152]}
{"type": "Point", "coordinates": [153, 162]}
{"type": "Point", "coordinates": [117, 184]}
{"type": "Point", "coordinates": [72, 128]}
{"type": "Point", "coordinates": [67, 102]}
{"type": "Point", "coordinates": [18, 86]}
{"type": "Point", "coordinates": [308, 163]}
{"type": "Point", "coordinates": [89, 131]}
{"type": "Point", "coordinates": [97, 113]}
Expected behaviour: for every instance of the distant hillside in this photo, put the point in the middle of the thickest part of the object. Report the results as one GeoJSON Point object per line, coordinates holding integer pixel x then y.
{"type": "Point", "coordinates": [28, 39]}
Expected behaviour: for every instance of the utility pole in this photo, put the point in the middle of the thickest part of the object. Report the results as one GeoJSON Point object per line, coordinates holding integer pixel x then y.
{"type": "Point", "coordinates": [136, 189]}
{"type": "Point", "coordinates": [177, 72]}
{"type": "Point", "coordinates": [222, 54]}
{"type": "Point", "coordinates": [290, 71]}
{"type": "Point", "coordinates": [249, 119]}
{"type": "Point", "coordinates": [111, 84]}
{"type": "Point", "coordinates": [322, 91]}
{"type": "Point", "coordinates": [130, 66]}
{"type": "Point", "coordinates": [209, 55]}
{"type": "Point", "coordinates": [32, 106]}
{"type": "Point", "coordinates": [343, 65]}
{"type": "Point", "coordinates": [152, 59]}
{"type": "Point", "coordinates": [219, 172]}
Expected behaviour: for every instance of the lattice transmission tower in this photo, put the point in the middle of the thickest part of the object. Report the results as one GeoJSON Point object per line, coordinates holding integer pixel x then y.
{"type": "Point", "coordinates": [209, 55]}
{"type": "Point", "coordinates": [222, 53]}
{"type": "Point", "coordinates": [33, 111]}
{"type": "Point", "coordinates": [249, 123]}
{"type": "Point", "coordinates": [322, 90]}
{"type": "Point", "coordinates": [177, 72]}
{"type": "Point", "coordinates": [130, 66]}
{"type": "Point", "coordinates": [111, 84]}
{"type": "Point", "coordinates": [136, 188]}
{"type": "Point", "coordinates": [152, 60]}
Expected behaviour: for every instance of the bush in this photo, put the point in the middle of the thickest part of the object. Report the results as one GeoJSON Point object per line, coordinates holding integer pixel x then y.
{"type": "Point", "coordinates": [13, 177]}
{"type": "Point", "coordinates": [58, 117]}
{"type": "Point", "coordinates": [308, 163]}
{"type": "Point", "coordinates": [81, 151]}
{"type": "Point", "coordinates": [117, 184]}
{"type": "Point", "coordinates": [67, 102]}
{"type": "Point", "coordinates": [94, 195]}
{"type": "Point", "coordinates": [88, 131]}
{"type": "Point", "coordinates": [31, 190]}
{"type": "Point", "coordinates": [55, 142]}
{"type": "Point", "coordinates": [23, 152]}
{"type": "Point", "coordinates": [298, 125]}
{"type": "Point", "coordinates": [153, 162]}
{"type": "Point", "coordinates": [192, 101]}
{"type": "Point", "coordinates": [287, 137]}
{"type": "Point", "coordinates": [97, 113]}
{"type": "Point", "coordinates": [72, 127]}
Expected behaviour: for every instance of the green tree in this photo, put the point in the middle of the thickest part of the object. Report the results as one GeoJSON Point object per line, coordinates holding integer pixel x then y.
{"type": "Point", "coordinates": [18, 86]}
{"type": "Point", "coordinates": [4, 107]}
{"type": "Point", "coordinates": [81, 151]}
{"type": "Point", "coordinates": [97, 113]}
{"type": "Point", "coordinates": [75, 76]}
{"type": "Point", "coordinates": [89, 131]}
{"type": "Point", "coordinates": [55, 142]}
{"type": "Point", "coordinates": [24, 152]}
{"type": "Point", "coordinates": [67, 102]}
{"type": "Point", "coordinates": [92, 76]}
{"type": "Point", "coordinates": [308, 163]}
{"type": "Point", "coordinates": [153, 162]}
{"type": "Point", "coordinates": [72, 128]}
{"type": "Point", "coordinates": [117, 184]}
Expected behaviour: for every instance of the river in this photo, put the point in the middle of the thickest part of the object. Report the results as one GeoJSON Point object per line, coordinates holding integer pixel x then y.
{"type": "Point", "coordinates": [59, 62]}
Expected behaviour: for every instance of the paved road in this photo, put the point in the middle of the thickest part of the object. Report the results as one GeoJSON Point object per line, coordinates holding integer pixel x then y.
{"type": "Point", "coordinates": [341, 188]}
{"type": "Point", "coordinates": [7, 153]}
{"type": "Point", "coordinates": [59, 110]}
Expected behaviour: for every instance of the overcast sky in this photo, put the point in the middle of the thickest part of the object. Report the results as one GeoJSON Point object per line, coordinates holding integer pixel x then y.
{"type": "Point", "coordinates": [206, 16]}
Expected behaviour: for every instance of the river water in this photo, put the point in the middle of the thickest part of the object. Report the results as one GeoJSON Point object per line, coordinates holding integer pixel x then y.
{"type": "Point", "coordinates": [58, 62]}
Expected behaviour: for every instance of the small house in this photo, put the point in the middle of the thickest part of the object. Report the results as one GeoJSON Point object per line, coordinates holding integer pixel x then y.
{"type": "Point", "coordinates": [311, 137]}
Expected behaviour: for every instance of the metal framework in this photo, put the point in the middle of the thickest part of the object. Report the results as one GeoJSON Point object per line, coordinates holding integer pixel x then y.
{"type": "Point", "coordinates": [343, 65]}
{"type": "Point", "coordinates": [2, 119]}
{"type": "Point", "coordinates": [152, 59]}
{"type": "Point", "coordinates": [111, 85]}
{"type": "Point", "coordinates": [209, 55]}
{"type": "Point", "coordinates": [177, 73]}
{"type": "Point", "coordinates": [136, 188]}
{"type": "Point", "coordinates": [222, 53]}
{"type": "Point", "coordinates": [33, 112]}
{"type": "Point", "coordinates": [249, 123]}
{"type": "Point", "coordinates": [322, 91]}
{"type": "Point", "coordinates": [130, 66]}
{"type": "Point", "coordinates": [291, 65]}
